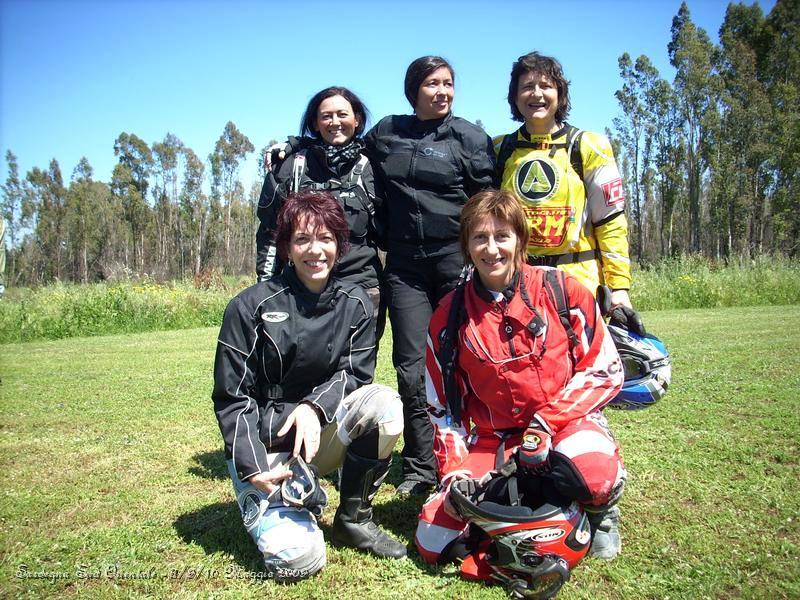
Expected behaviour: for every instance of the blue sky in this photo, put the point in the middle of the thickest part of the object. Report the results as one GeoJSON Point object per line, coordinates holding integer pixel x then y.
{"type": "Point", "coordinates": [76, 74]}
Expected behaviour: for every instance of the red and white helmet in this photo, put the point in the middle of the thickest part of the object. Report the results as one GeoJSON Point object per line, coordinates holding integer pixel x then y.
{"type": "Point", "coordinates": [536, 539]}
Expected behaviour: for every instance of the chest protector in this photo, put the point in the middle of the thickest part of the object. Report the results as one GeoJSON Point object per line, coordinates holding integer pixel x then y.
{"type": "Point", "coordinates": [349, 191]}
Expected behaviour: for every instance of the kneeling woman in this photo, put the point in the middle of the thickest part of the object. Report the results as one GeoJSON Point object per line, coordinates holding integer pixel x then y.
{"type": "Point", "coordinates": [294, 362]}
{"type": "Point", "coordinates": [516, 368]}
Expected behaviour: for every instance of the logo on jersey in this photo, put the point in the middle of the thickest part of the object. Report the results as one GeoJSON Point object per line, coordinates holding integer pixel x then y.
{"type": "Point", "coordinates": [275, 317]}
{"type": "Point", "coordinates": [614, 192]}
{"type": "Point", "coordinates": [536, 180]}
{"type": "Point", "coordinates": [549, 225]}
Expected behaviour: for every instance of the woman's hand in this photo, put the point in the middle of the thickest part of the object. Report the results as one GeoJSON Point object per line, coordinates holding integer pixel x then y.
{"type": "Point", "coordinates": [269, 480]}
{"type": "Point", "coordinates": [447, 505]}
{"type": "Point", "coordinates": [307, 430]}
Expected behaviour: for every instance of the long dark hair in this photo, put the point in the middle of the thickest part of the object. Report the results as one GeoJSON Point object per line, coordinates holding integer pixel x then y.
{"type": "Point", "coordinates": [543, 65]}
{"type": "Point", "coordinates": [417, 72]}
{"type": "Point", "coordinates": [308, 123]}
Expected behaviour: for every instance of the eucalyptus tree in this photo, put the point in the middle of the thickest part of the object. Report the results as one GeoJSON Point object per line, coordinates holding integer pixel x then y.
{"type": "Point", "coordinates": [194, 211]}
{"type": "Point", "coordinates": [230, 150]}
{"type": "Point", "coordinates": [636, 130]}
{"type": "Point", "coordinates": [780, 67]}
{"type": "Point", "coordinates": [13, 198]}
{"type": "Point", "coordinates": [129, 183]}
{"type": "Point", "coordinates": [696, 86]}
{"type": "Point", "coordinates": [90, 221]}
{"type": "Point", "coordinates": [47, 195]}
{"type": "Point", "coordinates": [166, 156]}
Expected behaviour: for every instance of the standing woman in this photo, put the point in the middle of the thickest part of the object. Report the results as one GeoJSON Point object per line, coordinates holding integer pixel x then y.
{"type": "Point", "coordinates": [567, 181]}
{"type": "Point", "coordinates": [327, 157]}
{"type": "Point", "coordinates": [293, 371]}
{"type": "Point", "coordinates": [427, 165]}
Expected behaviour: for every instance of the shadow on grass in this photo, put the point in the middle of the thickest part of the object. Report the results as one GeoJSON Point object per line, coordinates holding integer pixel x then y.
{"type": "Point", "coordinates": [210, 465]}
{"type": "Point", "coordinates": [218, 528]}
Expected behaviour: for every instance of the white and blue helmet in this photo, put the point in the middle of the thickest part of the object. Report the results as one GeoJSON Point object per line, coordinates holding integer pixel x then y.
{"type": "Point", "coordinates": [647, 368]}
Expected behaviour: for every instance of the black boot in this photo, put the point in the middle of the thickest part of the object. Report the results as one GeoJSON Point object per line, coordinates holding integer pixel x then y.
{"type": "Point", "coordinates": [353, 525]}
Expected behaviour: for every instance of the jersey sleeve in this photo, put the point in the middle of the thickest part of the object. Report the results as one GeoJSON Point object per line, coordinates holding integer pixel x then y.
{"type": "Point", "coordinates": [597, 375]}
{"type": "Point", "coordinates": [235, 367]}
{"type": "Point", "coordinates": [449, 439]}
{"type": "Point", "coordinates": [605, 197]}
{"type": "Point", "coordinates": [481, 166]}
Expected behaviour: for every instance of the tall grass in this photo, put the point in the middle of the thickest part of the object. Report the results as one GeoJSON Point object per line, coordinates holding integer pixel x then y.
{"type": "Point", "coordinates": [61, 311]}
{"type": "Point", "coordinates": [696, 282]}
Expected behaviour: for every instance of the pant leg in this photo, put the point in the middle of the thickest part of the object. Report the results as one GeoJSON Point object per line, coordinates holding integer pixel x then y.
{"type": "Point", "coordinates": [370, 420]}
{"type": "Point", "coordinates": [437, 529]}
{"type": "Point", "coordinates": [586, 463]}
{"type": "Point", "coordinates": [410, 289]}
{"type": "Point", "coordinates": [288, 538]}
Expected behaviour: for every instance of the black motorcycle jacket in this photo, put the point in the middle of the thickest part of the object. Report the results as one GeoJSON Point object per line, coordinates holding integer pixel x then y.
{"type": "Point", "coordinates": [280, 345]}
{"type": "Point", "coordinates": [360, 265]}
{"type": "Point", "coordinates": [426, 171]}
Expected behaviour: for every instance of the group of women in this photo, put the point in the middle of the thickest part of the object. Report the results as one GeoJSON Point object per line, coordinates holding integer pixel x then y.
{"type": "Point", "coordinates": [297, 351]}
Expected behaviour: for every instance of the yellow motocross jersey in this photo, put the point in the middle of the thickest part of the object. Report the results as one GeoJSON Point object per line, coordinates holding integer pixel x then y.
{"type": "Point", "coordinates": [577, 220]}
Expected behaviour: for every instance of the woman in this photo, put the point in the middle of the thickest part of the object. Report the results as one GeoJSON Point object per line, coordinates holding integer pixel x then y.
{"type": "Point", "coordinates": [328, 156]}
{"type": "Point", "coordinates": [293, 368]}
{"type": "Point", "coordinates": [518, 367]}
{"type": "Point", "coordinates": [567, 181]}
{"type": "Point", "coordinates": [427, 165]}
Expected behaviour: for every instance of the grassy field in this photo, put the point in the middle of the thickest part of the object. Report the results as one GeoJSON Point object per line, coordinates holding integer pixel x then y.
{"type": "Point", "coordinates": [114, 485]}
{"type": "Point", "coordinates": [61, 311]}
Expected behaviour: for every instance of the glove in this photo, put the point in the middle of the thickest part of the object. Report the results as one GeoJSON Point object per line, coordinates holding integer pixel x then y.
{"type": "Point", "coordinates": [627, 318]}
{"type": "Point", "coordinates": [533, 454]}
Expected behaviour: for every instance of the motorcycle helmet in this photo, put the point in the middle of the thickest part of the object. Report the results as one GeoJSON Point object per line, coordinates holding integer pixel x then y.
{"type": "Point", "coordinates": [536, 537]}
{"type": "Point", "coordinates": [647, 368]}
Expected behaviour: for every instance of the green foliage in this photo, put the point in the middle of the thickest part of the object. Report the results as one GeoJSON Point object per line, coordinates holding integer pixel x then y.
{"type": "Point", "coordinates": [696, 282]}
{"type": "Point", "coordinates": [60, 311]}
{"type": "Point", "coordinates": [111, 467]}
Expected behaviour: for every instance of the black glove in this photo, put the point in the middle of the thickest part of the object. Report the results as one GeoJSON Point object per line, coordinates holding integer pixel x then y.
{"type": "Point", "coordinates": [627, 318]}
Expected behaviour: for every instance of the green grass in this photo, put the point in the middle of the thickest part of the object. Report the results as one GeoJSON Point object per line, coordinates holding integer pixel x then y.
{"type": "Point", "coordinates": [61, 311]}
{"type": "Point", "coordinates": [111, 467]}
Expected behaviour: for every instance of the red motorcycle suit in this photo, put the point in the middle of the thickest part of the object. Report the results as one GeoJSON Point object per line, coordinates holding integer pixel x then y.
{"type": "Point", "coordinates": [515, 365]}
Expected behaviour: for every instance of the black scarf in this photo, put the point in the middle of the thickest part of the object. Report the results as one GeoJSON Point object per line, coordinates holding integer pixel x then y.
{"type": "Point", "coordinates": [344, 154]}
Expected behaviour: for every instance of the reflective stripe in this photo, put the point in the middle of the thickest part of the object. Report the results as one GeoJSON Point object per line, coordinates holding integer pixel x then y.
{"type": "Point", "coordinates": [585, 442]}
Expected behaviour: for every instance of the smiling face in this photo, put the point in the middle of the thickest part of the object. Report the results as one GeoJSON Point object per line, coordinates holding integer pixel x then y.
{"type": "Point", "coordinates": [537, 102]}
{"type": "Point", "coordinates": [492, 249]}
{"type": "Point", "coordinates": [312, 249]}
{"type": "Point", "coordinates": [336, 121]}
{"type": "Point", "coordinates": [435, 95]}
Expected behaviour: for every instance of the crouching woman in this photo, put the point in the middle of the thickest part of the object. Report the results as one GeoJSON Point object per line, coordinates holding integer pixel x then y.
{"type": "Point", "coordinates": [292, 385]}
{"type": "Point", "coordinates": [528, 351]}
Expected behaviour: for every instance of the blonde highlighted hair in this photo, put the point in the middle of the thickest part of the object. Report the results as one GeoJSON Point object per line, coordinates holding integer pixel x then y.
{"type": "Point", "coordinates": [503, 206]}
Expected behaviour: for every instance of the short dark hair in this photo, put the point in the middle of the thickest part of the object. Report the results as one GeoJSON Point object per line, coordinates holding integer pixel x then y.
{"type": "Point", "coordinates": [322, 208]}
{"type": "Point", "coordinates": [502, 205]}
{"type": "Point", "coordinates": [543, 65]}
{"type": "Point", "coordinates": [308, 123]}
{"type": "Point", "coordinates": [417, 72]}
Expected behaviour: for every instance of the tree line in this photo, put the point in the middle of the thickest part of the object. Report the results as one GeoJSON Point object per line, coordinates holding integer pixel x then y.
{"type": "Point", "coordinates": [710, 162]}
{"type": "Point", "coordinates": [153, 217]}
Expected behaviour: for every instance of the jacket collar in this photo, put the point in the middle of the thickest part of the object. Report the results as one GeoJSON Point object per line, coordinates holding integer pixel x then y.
{"type": "Point", "coordinates": [485, 294]}
{"type": "Point", "coordinates": [429, 124]}
{"type": "Point", "coordinates": [305, 295]}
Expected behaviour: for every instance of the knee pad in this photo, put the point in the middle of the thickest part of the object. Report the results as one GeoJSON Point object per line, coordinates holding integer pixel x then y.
{"type": "Point", "coordinates": [376, 411]}
{"type": "Point", "coordinates": [292, 544]}
{"type": "Point", "coordinates": [288, 538]}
